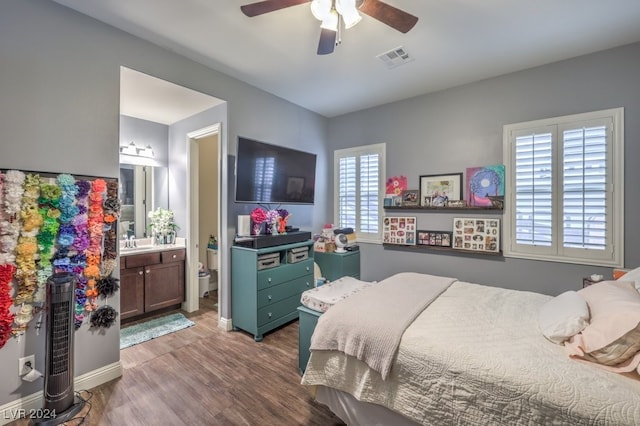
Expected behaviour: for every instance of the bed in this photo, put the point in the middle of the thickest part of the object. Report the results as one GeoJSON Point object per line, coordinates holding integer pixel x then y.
{"type": "Point", "coordinates": [474, 354]}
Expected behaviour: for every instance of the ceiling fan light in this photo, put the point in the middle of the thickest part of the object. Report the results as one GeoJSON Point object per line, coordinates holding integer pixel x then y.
{"type": "Point", "coordinates": [321, 9]}
{"type": "Point", "coordinates": [331, 21]}
{"type": "Point", "coordinates": [350, 19]}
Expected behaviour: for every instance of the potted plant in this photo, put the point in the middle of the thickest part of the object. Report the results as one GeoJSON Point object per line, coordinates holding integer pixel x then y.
{"type": "Point", "coordinates": [163, 226]}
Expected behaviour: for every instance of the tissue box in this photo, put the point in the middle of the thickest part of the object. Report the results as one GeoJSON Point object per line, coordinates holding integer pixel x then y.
{"type": "Point", "coordinates": [324, 247]}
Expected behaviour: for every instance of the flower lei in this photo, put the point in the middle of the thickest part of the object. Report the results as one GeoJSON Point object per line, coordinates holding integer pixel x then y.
{"type": "Point", "coordinates": [6, 275]}
{"type": "Point", "coordinates": [27, 248]}
{"type": "Point", "coordinates": [105, 315]}
{"type": "Point", "coordinates": [49, 201]}
{"type": "Point", "coordinates": [66, 259]}
{"type": "Point", "coordinates": [94, 251]}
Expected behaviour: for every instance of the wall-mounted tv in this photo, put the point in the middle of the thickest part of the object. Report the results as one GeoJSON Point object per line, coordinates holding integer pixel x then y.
{"type": "Point", "coordinates": [267, 173]}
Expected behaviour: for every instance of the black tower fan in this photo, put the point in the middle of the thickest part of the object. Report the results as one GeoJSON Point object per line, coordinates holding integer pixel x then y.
{"type": "Point", "coordinates": [60, 403]}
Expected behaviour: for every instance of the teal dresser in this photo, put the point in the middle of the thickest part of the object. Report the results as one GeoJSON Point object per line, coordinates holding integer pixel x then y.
{"type": "Point", "coordinates": [336, 265]}
{"type": "Point", "coordinates": [264, 299]}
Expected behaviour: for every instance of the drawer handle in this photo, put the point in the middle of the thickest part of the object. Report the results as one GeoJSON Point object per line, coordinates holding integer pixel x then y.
{"type": "Point", "coordinates": [140, 272]}
{"type": "Point", "coordinates": [270, 314]}
{"type": "Point", "coordinates": [174, 256]}
{"type": "Point", "coordinates": [147, 271]}
{"type": "Point", "coordinates": [269, 279]}
{"type": "Point", "coordinates": [269, 297]}
{"type": "Point", "coordinates": [308, 285]}
{"type": "Point", "coordinates": [308, 269]}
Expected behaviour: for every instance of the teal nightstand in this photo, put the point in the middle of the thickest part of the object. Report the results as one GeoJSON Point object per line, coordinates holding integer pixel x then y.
{"type": "Point", "coordinates": [336, 265]}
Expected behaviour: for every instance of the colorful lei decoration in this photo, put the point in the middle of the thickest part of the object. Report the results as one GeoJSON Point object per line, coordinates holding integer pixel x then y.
{"type": "Point", "coordinates": [7, 271]}
{"type": "Point", "coordinates": [49, 201]}
{"type": "Point", "coordinates": [27, 248]}
{"type": "Point", "coordinates": [94, 251]}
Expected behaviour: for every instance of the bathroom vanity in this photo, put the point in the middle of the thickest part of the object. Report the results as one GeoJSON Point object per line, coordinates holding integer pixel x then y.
{"type": "Point", "coordinates": [152, 277]}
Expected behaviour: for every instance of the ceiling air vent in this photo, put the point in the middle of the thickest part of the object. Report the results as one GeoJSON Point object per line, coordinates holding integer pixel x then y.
{"type": "Point", "coordinates": [395, 57]}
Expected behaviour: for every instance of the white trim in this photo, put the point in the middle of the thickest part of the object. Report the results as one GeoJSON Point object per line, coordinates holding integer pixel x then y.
{"type": "Point", "coordinates": [191, 302]}
{"type": "Point", "coordinates": [225, 323]}
{"type": "Point", "coordinates": [616, 207]}
{"type": "Point", "coordinates": [381, 149]}
{"type": "Point", "coordinates": [86, 381]}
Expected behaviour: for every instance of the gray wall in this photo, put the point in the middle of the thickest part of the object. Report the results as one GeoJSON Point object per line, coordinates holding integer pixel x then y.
{"type": "Point", "coordinates": [59, 112]}
{"type": "Point", "coordinates": [454, 129]}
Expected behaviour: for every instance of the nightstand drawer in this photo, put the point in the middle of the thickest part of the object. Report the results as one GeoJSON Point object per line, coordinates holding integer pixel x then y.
{"type": "Point", "coordinates": [275, 293]}
{"type": "Point", "coordinates": [278, 309]}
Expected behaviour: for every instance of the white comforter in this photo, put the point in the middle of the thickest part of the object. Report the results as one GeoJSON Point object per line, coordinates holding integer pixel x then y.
{"type": "Point", "coordinates": [475, 356]}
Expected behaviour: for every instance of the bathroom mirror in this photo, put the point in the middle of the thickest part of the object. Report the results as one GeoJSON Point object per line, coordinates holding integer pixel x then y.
{"type": "Point", "coordinates": [141, 189]}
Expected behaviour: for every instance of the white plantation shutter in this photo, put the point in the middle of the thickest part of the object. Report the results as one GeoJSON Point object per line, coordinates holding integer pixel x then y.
{"type": "Point", "coordinates": [359, 174]}
{"type": "Point", "coordinates": [564, 198]}
{"type": "Point", "coordinates": [533, 189]}
{"type": "Point", "coordinates": [584, 188]}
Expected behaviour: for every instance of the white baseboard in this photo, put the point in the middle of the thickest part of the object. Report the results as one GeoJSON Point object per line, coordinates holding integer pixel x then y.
{"type": "Point", "coordinates": [225, 324]}
{"type": "Point", "coordinates": [21, 407]}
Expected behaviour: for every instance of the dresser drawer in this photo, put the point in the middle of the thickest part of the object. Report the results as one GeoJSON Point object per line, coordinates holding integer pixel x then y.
{"type": "Point", "coordinates": [278, 309]}
{"type": "Point", "coordinates": [283, 273]}
{"type": "Point", "coordinates": [275, 293]}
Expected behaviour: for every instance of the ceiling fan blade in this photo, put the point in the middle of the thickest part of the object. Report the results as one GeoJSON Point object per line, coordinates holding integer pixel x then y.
{"type": "Point", "coordinates": [387, 14]}
{"type": "Point", "coordinates": [266, 6]}
{"type": "Point", "coordinates": [327, 41]}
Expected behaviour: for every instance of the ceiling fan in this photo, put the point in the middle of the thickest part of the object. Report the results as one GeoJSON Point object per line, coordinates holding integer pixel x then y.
{"type": "Point", "coordinates": [333, 13]}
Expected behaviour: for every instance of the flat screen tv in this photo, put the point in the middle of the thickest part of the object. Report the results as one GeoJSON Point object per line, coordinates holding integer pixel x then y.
{"type": "Point", "coordinates": [267, 173]}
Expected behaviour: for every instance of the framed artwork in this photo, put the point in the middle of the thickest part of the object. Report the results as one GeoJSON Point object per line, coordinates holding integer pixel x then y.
{"type": "Point", "coordinates": [399, 230]}
{"type": "Point", "coordinates": [410, 197]}
{"type": "Point", "coordinates": [485, 186]}
{"type": "Point", "coordinates": [395, 185]}
{"type": "Point", "coordinates": [436, 190]}
{"type": "Point", "coordinates": [434, 238]}
{"type": "Point", "coordinates": [476, 234]}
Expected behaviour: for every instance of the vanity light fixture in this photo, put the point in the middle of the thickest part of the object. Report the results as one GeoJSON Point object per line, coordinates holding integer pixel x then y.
{"type": "Point", "coordinates": [136, 151]}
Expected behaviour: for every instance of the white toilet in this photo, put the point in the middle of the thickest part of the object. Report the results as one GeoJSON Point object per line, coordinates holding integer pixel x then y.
{"type": "Point", "coordinates": [205, 283]}
{"type": "Point", "coordinates": [212, 265]}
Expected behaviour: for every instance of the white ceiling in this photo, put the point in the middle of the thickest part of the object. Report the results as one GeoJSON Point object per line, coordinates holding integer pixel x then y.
{"type": "Point", "coordinates": [149, 98]}
{"type": "Point", "coordinates": [454, 42]}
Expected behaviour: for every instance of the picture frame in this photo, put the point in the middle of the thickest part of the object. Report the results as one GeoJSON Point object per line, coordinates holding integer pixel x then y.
{"type": "Point", "coordinates": [433, 238]}
{"type": "Point", "coordinates": [437, 190]}
{"type": "Point", "coordinates": [476, 234]}
{"type": "Point", "coordinates": [399, 230]}
{"type": "Point", "coordinates": [485, 186]}
{"type": "Point", "coordinates": [456, 204]}
{"type": "Point", "coordinates": [410, 197]}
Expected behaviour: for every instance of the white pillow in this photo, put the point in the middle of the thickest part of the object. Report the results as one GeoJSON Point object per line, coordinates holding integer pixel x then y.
{"type": "Point", "coordinates": [634, 276]}
{"type": "Point", "coordinates": [563, 317]}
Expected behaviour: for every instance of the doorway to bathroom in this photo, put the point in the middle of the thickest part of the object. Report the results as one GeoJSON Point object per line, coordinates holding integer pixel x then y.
{"type": "Point", "coordinates": [205, 207]}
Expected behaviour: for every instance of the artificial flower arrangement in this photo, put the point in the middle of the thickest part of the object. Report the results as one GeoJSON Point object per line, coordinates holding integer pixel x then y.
{"type": "Point", "coordinates": [275, 219]}
{"type": "Point", "coordinates": [162, 222]}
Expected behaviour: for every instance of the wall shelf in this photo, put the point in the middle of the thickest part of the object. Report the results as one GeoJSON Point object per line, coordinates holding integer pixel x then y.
{"type": "Point", "coordinates": [424, 209]}
{"type": "Point", "coordinates": [420, 247]}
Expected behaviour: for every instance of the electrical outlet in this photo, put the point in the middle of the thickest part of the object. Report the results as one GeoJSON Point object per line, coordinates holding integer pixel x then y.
{"type": "Point", "coordinates": [26, 364]}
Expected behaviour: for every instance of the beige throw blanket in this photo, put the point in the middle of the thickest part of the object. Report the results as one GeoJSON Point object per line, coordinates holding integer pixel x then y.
{"type": "Point", "coordinates": [370, 324]}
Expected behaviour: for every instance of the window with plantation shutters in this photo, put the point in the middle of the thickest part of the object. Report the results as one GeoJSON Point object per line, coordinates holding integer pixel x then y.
{"type": "Point", "coordinates": [358, 187]}
{"type": "Point", "coordinates": [564, 198]}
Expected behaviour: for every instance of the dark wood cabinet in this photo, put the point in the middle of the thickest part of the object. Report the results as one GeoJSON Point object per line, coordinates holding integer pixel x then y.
{"type": "Point", "coordinates": [151, 281]}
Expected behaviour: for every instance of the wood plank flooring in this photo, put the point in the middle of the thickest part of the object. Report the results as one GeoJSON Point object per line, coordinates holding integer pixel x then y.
{"type": "Point", "coordinates": [203, 375]}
